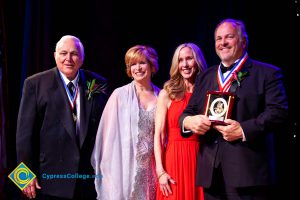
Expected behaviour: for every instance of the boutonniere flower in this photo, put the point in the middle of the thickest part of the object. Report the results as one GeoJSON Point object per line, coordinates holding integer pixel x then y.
{"type": "Point", "coordinates": [92, 88]}
{"type": "Point", "coordinates": [238, 77]}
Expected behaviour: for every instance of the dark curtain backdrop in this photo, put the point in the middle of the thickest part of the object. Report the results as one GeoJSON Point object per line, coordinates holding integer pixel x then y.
{"type": "Point", "coordinates": [3, 76]}
{"type": "Point", "coordinates": [108, 28]}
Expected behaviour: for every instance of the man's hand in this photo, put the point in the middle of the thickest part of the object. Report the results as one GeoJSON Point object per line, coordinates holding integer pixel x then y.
{"type": "Point", "coordinates": [198, 124]}
{"type": "Point", "coordinates": [30, 190]}
{"type": "Point", "coordinates": [232, 131]}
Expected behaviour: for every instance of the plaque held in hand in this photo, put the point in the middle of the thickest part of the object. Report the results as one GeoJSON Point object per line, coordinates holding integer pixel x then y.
{"type": "Point", "coordinates": [218, 106]}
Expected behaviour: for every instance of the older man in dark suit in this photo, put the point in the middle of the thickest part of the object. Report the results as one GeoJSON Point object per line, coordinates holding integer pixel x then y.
{"type": "Point", "coordinates": [58, 118]}
{"type": "Point", "coordinates": [236, 159]}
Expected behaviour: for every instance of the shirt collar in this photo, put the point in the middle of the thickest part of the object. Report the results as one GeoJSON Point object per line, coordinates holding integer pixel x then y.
{"type": "Point", "coordinates": [66, 80]}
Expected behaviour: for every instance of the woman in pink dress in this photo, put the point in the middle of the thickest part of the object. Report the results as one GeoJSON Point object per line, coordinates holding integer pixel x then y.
{"type": "Point", "coordinates": [176, 156]}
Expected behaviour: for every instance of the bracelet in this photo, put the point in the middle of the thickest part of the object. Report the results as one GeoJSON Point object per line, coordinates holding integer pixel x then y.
{"type": "Point", "coordinates": [162, 173]}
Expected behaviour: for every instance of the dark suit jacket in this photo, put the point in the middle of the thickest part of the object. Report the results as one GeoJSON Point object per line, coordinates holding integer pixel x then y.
{"type": "Point", "coordinates": [260, 107]}
{"type": "Point", "coordinates": [45, 137]}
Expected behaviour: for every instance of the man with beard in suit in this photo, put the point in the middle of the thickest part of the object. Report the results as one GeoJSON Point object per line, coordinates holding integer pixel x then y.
{"type": "Point", "coordinates": [57, 123]}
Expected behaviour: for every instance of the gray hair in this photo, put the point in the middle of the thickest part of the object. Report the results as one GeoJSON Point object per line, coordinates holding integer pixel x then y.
{"type": "Point", "coordinates": [75, 39]}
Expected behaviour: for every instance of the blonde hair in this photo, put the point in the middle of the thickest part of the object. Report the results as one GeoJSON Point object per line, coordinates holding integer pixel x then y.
{"type": "Point", "coordinates": [175, 86]}
{"type": "Point", "coordinates": [139, 52]}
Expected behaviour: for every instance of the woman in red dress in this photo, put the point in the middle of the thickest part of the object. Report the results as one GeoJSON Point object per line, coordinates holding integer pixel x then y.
{"type": "Point", "coordinates": [176, 156]}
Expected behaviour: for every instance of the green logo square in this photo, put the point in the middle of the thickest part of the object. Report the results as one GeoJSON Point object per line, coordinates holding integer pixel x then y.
{"type": "Point", "coordinates": [21, 176]}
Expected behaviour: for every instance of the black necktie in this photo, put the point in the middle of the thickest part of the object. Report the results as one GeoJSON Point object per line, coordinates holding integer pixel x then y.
{"type": "Point", "coordinates": [71, 88]}
{"type": "Point", "coordinates": [225, 69]}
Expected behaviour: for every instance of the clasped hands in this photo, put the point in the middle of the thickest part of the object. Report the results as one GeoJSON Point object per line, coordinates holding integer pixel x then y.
{"type": "Point", "coordinates": [200, 124]}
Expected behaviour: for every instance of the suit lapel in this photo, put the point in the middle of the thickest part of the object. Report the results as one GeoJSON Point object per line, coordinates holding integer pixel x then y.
{"type": "Point", "coordinates": [214, 84]}
{"type": "Point", "coordinates": [247, 65]}
{"type": "Point", "coordinates": [85, 108]}
{"type": "Point", "coordinates": [62, 104]}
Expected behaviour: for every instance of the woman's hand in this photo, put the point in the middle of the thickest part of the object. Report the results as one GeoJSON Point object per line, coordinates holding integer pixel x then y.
{"type": "Point", "coordinates": [164, 179]}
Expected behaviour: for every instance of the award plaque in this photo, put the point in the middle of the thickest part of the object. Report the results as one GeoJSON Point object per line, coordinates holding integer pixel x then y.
{"type": "Point", "coordinates": [218, 106]}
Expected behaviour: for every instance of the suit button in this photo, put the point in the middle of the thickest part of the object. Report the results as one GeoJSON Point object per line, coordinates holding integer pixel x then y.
{"type": "Point", "coordinates": [216, 142]}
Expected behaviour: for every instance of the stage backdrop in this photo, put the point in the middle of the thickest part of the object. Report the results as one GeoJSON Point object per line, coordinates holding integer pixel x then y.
{"type": "Point", "coordinates": [108, 28]}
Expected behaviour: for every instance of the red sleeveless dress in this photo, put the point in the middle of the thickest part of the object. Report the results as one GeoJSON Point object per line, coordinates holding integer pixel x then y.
{"type": "Point", "coordinates": [181, 157]}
